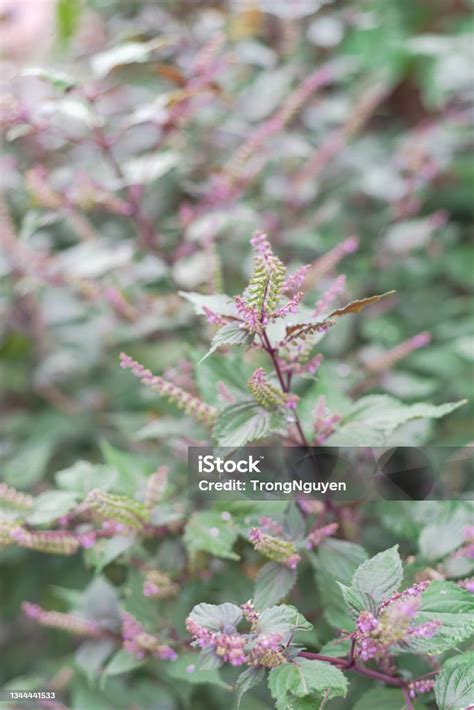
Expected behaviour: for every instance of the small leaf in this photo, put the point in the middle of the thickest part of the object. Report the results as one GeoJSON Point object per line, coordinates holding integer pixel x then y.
{"type": "Point", "coordinates": [454, 687]}
{"type": "Point", "coordinates": [246, 421]}
{"type": "Point", "coordinates": [51, 505]}
{"type": "Point", "coordinates": [148, 168]}
{"type": "Point", "coordinates": [273, 582]}
{"type": "Point", "coordinates": [207, 532]}
{"type": "Point", "coordinates": [378, 578]}
{"type": "Point", "coordinates": [122, 662]}
{"type": "Point", "coordinates": [353, 600]}
{"type": "Point", "coordinates": [247, 680]}
{"type": "Point", "coordinates": [91, 655]}
{"type": "Point", "coordinates": [216, 617]}
{"type": "Point", "coordinates": [359, 305]}
{"type": "Point", "coordinates": [282, 619]}
{"type": "Point", "coordinates": [229, 334]}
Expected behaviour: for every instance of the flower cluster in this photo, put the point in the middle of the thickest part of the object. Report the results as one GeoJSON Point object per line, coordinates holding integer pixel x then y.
{"type": "Point", "coordinates": [227, 644]}
{"type": "Point", "coordinates": [275, 548]}
{"type": "Point", "coordinates": [423, 685]}
{"type": "Point", "coordinates": [318, 535]}
{"type": "Point", "coordinates": [324, 421]}
{"type": "Point", "coordinates": [258, 650]}
{"type": "Point", "coordinates": [467, 584]}
{"type": "Point", "coordinates": [250, 613]}
{"type": "Point", "coordinates": [140, 643]}
{"type": "Point", "coordinates": [188, 403]}
{"type": "Point", "coordinates": [467, 550]}
{"type": "Point", "coordinates": [158, 585]}
{"type": "Point", "coordinates": [392, 624]}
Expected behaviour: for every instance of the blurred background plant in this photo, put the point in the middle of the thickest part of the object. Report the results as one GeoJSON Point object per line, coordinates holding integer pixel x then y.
{"type": "Point", "coordinates": [143, 142]}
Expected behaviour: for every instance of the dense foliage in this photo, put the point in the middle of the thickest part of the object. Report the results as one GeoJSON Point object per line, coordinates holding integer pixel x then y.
{"type": "Point", "coordinates": [182, 186]}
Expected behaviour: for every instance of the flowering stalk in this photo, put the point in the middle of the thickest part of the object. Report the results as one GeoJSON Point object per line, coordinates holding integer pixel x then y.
{"type": "Point", "coordinates": [67, 622]}
{"type": "Point", "coordinates": [14, 498]}
{"type": "Point", "coordinates": [155, 487]}
{"type": "Point", "coordinates": [275, 548]}
{"type": "Point", "coordinates": [391, 357]}
{"type": "Point", "coordinates": [105, 506]}
{"type": "Point", "coordinates": [318, 535]}
{"type": "Point", "coordinates": [191, 405]}
{"type": "Point", "coordinates": [54, 542]}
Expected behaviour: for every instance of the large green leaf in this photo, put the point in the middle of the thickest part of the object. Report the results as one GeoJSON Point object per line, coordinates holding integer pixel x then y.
{"type": "Point", "coordinates": [454, 687]}
{"type": "Point", "coordinates": [304, 677]}
{"type": "Point", "coordinates": [451, 605]}
{"type": "Point", "coordinates": [373, 419]}
{"type": "Point", "coordinates": [378, 578]}
{"type": "Point", "coordinates": [246, 421]}
{"type": "Point", "coordinates": [273, 582]}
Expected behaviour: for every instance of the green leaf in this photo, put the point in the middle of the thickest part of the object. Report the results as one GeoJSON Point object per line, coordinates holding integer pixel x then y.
{"type": "Point", "coordinates": [339, 558]}
{"type": "Point", "coordinates": [186, 667]}
{"type": "Point", "coordinates": [148, 168]}
{"type": "Point", "coordinates": [57, 79]}
{"type": "Point", "coordinates": [353, 600]}
{"type": "Point", "coordinates": [335, 562]}
{"type": "Point", "coordinates": [273, 582]}
{"type": "Point", "coordinates": [128, 467]}
{"type": "Point", "coordinates": [246, 421]}
{"type": "Point", "coordinates": [51, 505]}
{"type": "Point", "coordinates": [247, 680]}
{"type": "Point", "coordinates": [373, 419]}
{"type": "Point", "coordinates": [454, 687]}
{"type": "Point", "coordinates": [337, 648]}
{"type": "Point", "coordinates": [106, 551]}
{"type": "Point", "coordinates": [29, 464]}
{"type": "Point", "coordinates": [378, 578]}
{"type": "Point", "coordinates": [229, 370]}
{"type": "Point", "coordinates": [282, 619]}
{"type": "Point", "coordinates": [68, 13]}
{"type": "Point", "coordinates": [229, 334]}
{"type": "Point", "coordinates": [84, 476]}
{"type": "Point", "coordinates": [91, 655]}
{"type": "Point", "coordinates": [454, 608]}
{"type": "Point", "coordinates": [381, 698]}
{"type": "Point", "coordinates": [304, 677]}
{"type": "Point", "coordinates": [215, 617]}
{"type": "Point", "coordinates": [208, 532]}
{"type": "Point", "coordinates": [122, 662]}
{"type": "Point", "coordinates": [128, 53]}
{"type": "Point", "coordinates": [443, 536]}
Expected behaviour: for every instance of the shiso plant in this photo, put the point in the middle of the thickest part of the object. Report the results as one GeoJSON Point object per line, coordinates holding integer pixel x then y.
{"type": "Point", "coordinates": [138, 162]}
